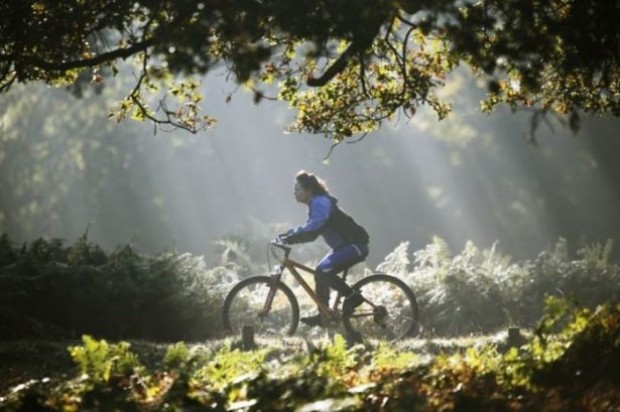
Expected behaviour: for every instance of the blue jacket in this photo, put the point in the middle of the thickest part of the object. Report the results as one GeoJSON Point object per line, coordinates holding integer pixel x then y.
{"type": "Point", "coordinates": [326, 219]}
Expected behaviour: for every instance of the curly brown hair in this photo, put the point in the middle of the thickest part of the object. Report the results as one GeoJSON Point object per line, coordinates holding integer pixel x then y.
{"type": "Point", "coordinates": [310, 181]}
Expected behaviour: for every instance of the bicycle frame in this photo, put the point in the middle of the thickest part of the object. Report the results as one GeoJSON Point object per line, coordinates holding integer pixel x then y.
{"type": "Point", "coordinates": [292, 267]}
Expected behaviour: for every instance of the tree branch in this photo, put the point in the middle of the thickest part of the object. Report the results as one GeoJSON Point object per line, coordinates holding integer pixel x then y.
{"type": "Point", "coordinates": [337, 67]}
{"type": "Point", "coordinates": [361, 41]}
{"type": "Point", "coordinates": [6, 83]}
{"type": "Point", "coordinates": [135, 98]}
{"type": "Point", "coordinates": [121, 53]}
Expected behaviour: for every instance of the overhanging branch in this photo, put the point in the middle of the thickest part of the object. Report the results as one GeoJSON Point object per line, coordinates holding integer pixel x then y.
{"type": "Point", "coordinates": [121, 53]}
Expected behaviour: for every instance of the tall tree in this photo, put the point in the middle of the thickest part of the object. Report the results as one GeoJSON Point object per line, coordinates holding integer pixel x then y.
{"type": "Point", "coordinates": [345, 65]}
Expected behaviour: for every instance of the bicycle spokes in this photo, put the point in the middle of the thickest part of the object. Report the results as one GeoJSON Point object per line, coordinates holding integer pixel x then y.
{"type": "Point", "coordinates": [390, 311]}
{"type": "Point", "coordinates": [257, 302]}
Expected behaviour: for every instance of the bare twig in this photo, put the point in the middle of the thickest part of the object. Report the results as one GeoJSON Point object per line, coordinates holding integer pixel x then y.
{"type": "Point", "coordinates": [334, 145]}
{"type": "Point", "coordinates": [262, 94]}
{"type": "Point", "coordinates": [331, 149]}
{"type": "Point", "coordinates": [6, 84]}
{"type": "Point", "coordinates": [363, 78]}
{"type": "Point", "coordinates": [405, 21]}
{"type": "Point", "coordinates": [134, 96]}
{"type": "Point", "coordinates": [362, 137]}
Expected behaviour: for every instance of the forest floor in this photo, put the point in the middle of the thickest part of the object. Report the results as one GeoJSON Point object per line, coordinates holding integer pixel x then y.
{"type": "Point", "coordinates": [23, 360]}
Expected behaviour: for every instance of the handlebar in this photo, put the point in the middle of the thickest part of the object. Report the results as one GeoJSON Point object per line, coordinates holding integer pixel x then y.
{"type": "Point", "coordinates": [278, 244]}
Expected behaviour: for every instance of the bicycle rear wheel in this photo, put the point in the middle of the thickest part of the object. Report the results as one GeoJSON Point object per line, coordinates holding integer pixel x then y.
{"type": "Point", "coordinates": [245, 305]}
{"type": "Point", "coordinates": [393, 314]}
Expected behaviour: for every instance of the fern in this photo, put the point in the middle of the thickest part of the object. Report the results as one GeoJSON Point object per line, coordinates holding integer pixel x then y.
{"type": "Point", "coordinates": [397, 262]}
{"type": "Point", "coordinates": [99, 360]}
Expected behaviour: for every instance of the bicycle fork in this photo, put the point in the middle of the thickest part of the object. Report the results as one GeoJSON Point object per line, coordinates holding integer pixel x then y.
{"type": "Point", "coordinates": [274, 279]}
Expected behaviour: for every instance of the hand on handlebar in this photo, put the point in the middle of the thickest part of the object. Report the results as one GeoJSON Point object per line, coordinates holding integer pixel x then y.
{"type": "Point", "coordinates": [279, 242]}
{"type": "Point", "coordinates": [281, 239]}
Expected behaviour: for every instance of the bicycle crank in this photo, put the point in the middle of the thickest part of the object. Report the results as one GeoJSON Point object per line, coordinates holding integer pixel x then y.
{"type": "Point", "coordinates": [380, 314]}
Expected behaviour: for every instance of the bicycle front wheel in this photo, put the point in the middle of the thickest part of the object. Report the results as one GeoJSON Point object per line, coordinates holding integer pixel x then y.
{"type": "Point", "coordinates": [391, 310]}
{"type": "Point", "coordinates": [245, 305]}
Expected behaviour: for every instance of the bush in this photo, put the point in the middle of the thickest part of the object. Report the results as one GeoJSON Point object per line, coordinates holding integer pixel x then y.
{"type": "Point", "coordinates": [48, 290]}
{"type": "Point", "coordinates": [481, 291]}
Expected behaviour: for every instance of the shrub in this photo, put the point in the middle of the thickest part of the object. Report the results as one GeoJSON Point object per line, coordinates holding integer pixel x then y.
{"type": "Point", "coordinates": [48, 290]}
{"type": "Point", "coordinates": [480, 291]}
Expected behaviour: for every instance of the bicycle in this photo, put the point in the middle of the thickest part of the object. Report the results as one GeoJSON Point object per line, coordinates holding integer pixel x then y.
{"type": "Point", "coordinates": [389, 310]}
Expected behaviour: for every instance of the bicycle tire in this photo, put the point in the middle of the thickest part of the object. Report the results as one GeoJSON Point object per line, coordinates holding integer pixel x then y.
{"type": "Point", "coordinates": [245, 301]}
{"type": "Point", "coordinates": [401, 317]}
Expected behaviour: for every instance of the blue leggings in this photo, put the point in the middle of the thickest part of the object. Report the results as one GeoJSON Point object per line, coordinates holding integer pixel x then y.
{"type": "Point", "coordinates": [333, 263]}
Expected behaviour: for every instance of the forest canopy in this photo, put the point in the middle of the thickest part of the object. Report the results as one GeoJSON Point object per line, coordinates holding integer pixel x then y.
{"type": "Point", "coordinates": [345, 66]}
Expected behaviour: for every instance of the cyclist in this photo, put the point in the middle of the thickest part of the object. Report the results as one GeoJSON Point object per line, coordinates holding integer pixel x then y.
{"type": "Point", "coordinates": [348, 240]}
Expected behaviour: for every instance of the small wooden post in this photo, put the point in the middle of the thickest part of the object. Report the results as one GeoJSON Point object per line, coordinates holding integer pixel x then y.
{"type": "Point", "coordinates": [514, 337]}
{"type": "Point", "coordinates": [247, 337]}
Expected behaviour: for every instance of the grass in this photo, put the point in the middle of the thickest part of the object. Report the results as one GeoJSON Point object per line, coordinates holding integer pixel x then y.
{"type": "Point", "coordinates": [560, 369]}
{"type": "Point", "coordinates": [24, 360]}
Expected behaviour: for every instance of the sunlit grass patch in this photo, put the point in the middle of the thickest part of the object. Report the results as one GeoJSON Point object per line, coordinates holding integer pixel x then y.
{"type": "Point", "coordinates": [571, 353]}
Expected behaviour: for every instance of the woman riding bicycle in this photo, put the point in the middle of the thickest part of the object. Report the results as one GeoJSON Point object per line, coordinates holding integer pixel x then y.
{"type": "Point", "coordinates": [348, 240]}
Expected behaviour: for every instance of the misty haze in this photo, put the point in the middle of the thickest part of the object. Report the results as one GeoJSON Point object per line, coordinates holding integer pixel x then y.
{"type": "Point", "coordinates": [473, 177]}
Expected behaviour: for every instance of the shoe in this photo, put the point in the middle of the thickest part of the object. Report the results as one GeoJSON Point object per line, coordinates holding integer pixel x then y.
{"type": "Point", "coordinates": [351, 302]}
{"type": "Point", "coordinates": [316, 320]}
